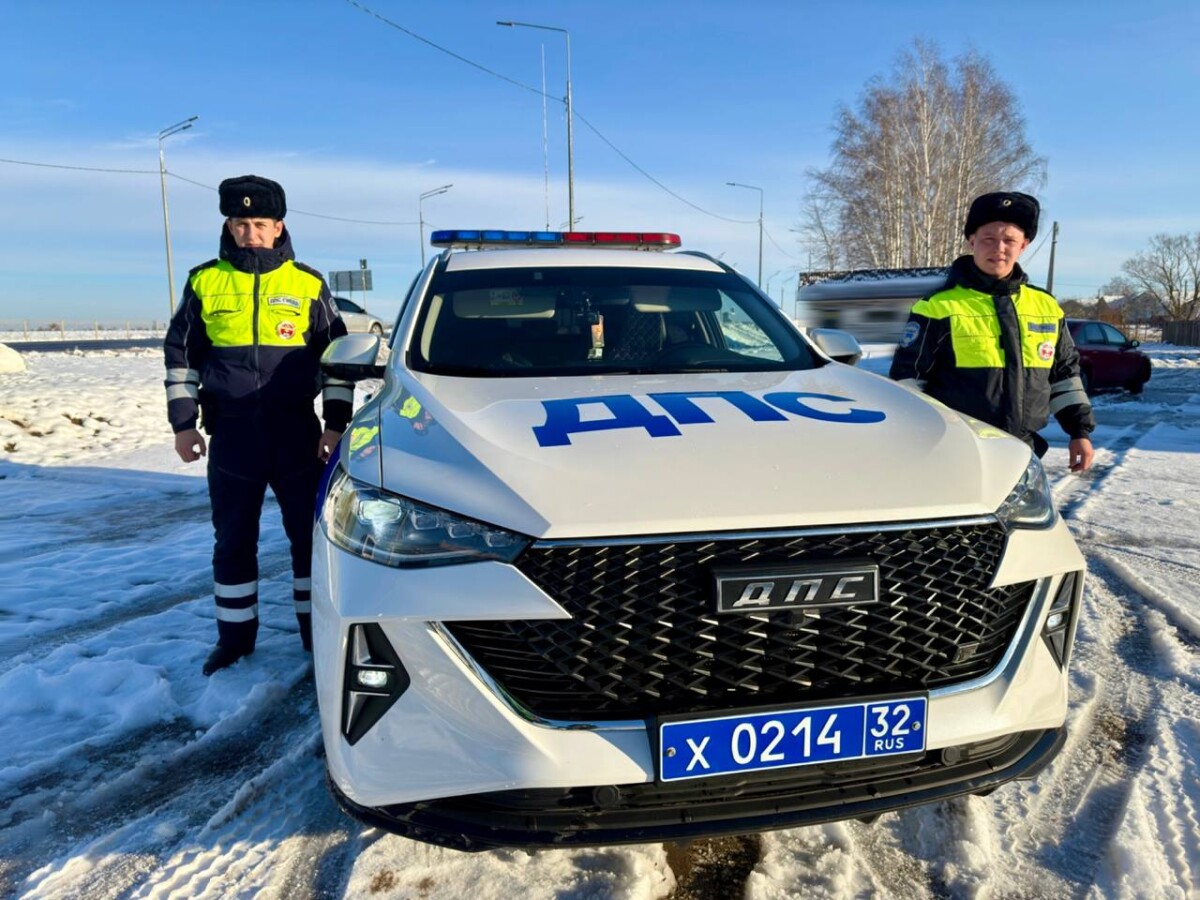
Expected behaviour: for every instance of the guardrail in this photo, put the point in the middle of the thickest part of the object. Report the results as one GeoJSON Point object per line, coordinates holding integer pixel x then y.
{"type": "Point", "coordinates": [77, 329]}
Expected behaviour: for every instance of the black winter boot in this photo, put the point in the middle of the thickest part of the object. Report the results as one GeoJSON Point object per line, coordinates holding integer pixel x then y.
{"type": "Point", "coordinates": [222, 657]}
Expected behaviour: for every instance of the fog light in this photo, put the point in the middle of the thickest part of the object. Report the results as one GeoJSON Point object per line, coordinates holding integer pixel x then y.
{"type": "Point", "coordinates": [372, 678]}
{"type": "Point", "coordinates": [375, 679]}
{"type": "Point", "coordinates": [1057, 630]}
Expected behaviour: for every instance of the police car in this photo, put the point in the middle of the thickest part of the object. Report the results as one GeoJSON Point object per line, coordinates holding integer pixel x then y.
{"type": "Point", "coordinates": [617, 554]}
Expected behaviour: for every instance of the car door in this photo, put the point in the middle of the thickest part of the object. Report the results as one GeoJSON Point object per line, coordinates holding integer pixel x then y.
{"type": "Point", "coordinates": [1124, 364]}
{"type": "Point", "coordinates": [1089, 340]}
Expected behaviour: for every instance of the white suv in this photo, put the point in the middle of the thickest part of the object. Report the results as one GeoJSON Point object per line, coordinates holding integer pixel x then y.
{"type": "Point", "coordinates": [617, 554]}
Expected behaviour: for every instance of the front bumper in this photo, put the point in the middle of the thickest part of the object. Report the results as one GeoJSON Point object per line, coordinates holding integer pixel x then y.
{"type": "Point", "coordinates": [456, 760]}
{"type": "Point", "coordinates": [593, 816]}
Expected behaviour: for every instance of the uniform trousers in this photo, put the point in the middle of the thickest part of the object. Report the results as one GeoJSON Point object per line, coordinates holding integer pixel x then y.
{"type": "Point", "coordinates": [246, 455]}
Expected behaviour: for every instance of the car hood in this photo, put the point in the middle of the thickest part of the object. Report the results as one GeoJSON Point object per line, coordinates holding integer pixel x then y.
{"type": "Point", "coordinates": [665, 454]}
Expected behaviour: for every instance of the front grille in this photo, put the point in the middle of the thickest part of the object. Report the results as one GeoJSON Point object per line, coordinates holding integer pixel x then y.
{"type": "Point", "coordinates": [643, 638]}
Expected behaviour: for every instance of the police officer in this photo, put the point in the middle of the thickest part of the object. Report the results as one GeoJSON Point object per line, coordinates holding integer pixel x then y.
{"type": "Point", "coordinates": [991, 345]}
{"type": "Point", "coordinates": [242, 352]}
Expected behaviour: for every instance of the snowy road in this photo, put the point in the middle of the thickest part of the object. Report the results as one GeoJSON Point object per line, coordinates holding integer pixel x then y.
{"type": "Point", "coordinates": [125, 773]}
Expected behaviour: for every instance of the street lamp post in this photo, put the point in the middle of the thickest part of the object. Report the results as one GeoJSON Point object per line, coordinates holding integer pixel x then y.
{"type": "Point", "coordinates": [421, 214]}
{"type": "Point", "coordinates": [760, 222]}
{"type": "Point", "coordinates": [162, 176]}
{"type": "Point", "coordinates": [570, 122]}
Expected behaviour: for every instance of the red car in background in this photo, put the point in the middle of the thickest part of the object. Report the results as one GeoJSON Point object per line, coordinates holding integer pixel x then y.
{"type": "Point", "coordinates": [1108, 359]}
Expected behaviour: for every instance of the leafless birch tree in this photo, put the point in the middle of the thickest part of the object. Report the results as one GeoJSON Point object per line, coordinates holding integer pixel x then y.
{"type": "Point", "coordinates": [908, 161]}
{"type": "Point", "coordinates": [1170, 273]}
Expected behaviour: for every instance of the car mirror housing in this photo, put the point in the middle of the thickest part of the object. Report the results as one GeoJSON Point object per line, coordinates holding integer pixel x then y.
{"type": "Point", "coordinates": [352, 357]}
{"type": "Point", "coordinates": [838, 345]}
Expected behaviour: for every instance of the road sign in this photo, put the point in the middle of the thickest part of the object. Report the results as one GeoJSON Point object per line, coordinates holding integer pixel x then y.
{"type": "Point", "coordinates": [350, 280]}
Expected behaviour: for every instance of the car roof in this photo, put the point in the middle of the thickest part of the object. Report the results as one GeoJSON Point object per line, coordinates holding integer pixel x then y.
{"type": "Point", "coordinates": [473, 260]}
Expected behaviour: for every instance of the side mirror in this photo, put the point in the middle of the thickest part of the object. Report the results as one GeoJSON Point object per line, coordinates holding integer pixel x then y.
{"type": "Point", "coordinates": [1134, 344]}
{"type": "Point", "coordinates": [352, 357]}
{"type": "Point", "coordinates": [838, 345]}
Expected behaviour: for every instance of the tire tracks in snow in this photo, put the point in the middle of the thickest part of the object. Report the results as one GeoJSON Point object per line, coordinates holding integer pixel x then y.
{"type": "Point", "coordinates": [17, 651]}
{"type": "Point", "coordinates": [180, 788]}
{"type": "Point", "coordinates": [1072, 814]}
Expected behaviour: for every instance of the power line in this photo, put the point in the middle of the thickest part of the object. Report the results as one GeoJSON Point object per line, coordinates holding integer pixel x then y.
{"type": "Point", "coordinates": [780, 249]}
{"type": "Point", "coordinates": [412, 34]}
{"type": "Point", "coordinates": [300, 211]}
{"type": "Point", "coordinates": [614, 148]}
{"type": "Point", "coordinates": [1041, 243]}
{"type": "Point", "coordinates": [534, 90]}
{"type": "Point", "coordinates": [42, 165]}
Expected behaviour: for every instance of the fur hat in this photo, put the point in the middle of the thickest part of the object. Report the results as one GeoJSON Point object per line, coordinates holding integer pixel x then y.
{"type": "Point", "coordinates": [252, 197]}
{"type": "Point", "coordinates": [1004, 206]}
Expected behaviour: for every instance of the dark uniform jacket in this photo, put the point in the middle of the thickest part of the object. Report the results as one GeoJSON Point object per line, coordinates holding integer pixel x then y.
{"type": "Point", "coordinates": [247, 338]}
{"type": "Point", "coordinates": [997, 350]}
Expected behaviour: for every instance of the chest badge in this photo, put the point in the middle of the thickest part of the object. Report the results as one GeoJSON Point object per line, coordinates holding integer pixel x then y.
{"type": "Point", "coordinates": [286, 330]}
{"type": "Point", "coordinates": [1046, 350]}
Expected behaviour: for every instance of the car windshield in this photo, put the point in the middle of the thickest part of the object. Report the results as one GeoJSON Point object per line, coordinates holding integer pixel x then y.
{"type": "Point", "coordinates": [582, 321]}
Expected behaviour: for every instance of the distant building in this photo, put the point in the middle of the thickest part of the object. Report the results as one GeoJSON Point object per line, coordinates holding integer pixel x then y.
{"type": "Point", "coordinates": [871, 304]}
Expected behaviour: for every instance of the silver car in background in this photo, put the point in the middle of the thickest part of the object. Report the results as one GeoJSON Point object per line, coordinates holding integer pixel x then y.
{"type": "Point", "coordinates": [357, 318]}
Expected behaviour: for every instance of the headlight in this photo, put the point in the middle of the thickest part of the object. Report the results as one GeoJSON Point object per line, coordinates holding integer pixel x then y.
{"type": "Point", "coordinates": [396, 531]}
{"type": "Point", "coordinates": [1030, 504]}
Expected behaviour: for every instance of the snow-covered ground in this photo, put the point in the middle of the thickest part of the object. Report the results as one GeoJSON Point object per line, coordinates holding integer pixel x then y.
{"type": "Point", "coordinates": [125, 773]}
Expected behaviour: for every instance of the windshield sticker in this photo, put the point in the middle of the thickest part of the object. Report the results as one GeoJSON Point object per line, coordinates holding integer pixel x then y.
{"type": "Point", "coordinates": [569, 416]}
{"type": "Point", "coordinates": [505, 297]}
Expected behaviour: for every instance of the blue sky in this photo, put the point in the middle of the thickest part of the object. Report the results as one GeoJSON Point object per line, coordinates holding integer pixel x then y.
{"type": "Point", "coordinates": [356, 118]}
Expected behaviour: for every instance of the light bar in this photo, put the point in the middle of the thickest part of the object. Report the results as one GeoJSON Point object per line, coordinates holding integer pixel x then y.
{"type": "Point", "coordinates": [475, 239]}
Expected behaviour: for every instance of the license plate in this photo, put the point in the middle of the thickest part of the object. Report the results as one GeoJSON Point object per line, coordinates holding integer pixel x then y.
{"type": "Point", "coordinates": [699, 748]}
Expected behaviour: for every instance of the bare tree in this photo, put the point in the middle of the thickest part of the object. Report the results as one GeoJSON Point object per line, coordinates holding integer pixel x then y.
{"type": "Point", "coordinates": [1118, 287]}
{"type": "Point", "coordinates": [1170, 273]}
{"type": "Point", "coordinates": [909, 160]}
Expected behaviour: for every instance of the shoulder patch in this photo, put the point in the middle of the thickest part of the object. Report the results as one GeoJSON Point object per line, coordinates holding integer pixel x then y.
{"type": "Point", "coordinates": [912, 331]}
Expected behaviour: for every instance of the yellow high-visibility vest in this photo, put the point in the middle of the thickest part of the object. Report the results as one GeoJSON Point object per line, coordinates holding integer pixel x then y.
{"type": "Point", "coordinates": [975, 327]}
{"type": "Point", "coordinates": [234, 316]}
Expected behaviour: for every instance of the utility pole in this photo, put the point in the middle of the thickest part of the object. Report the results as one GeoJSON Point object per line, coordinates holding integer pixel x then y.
{"type": "Point", "coordinates": [1053, 245]}
{"type": "Point", "coordinates": [162, 176]}
{"type": "Point", "coordinates": [760, 223]}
